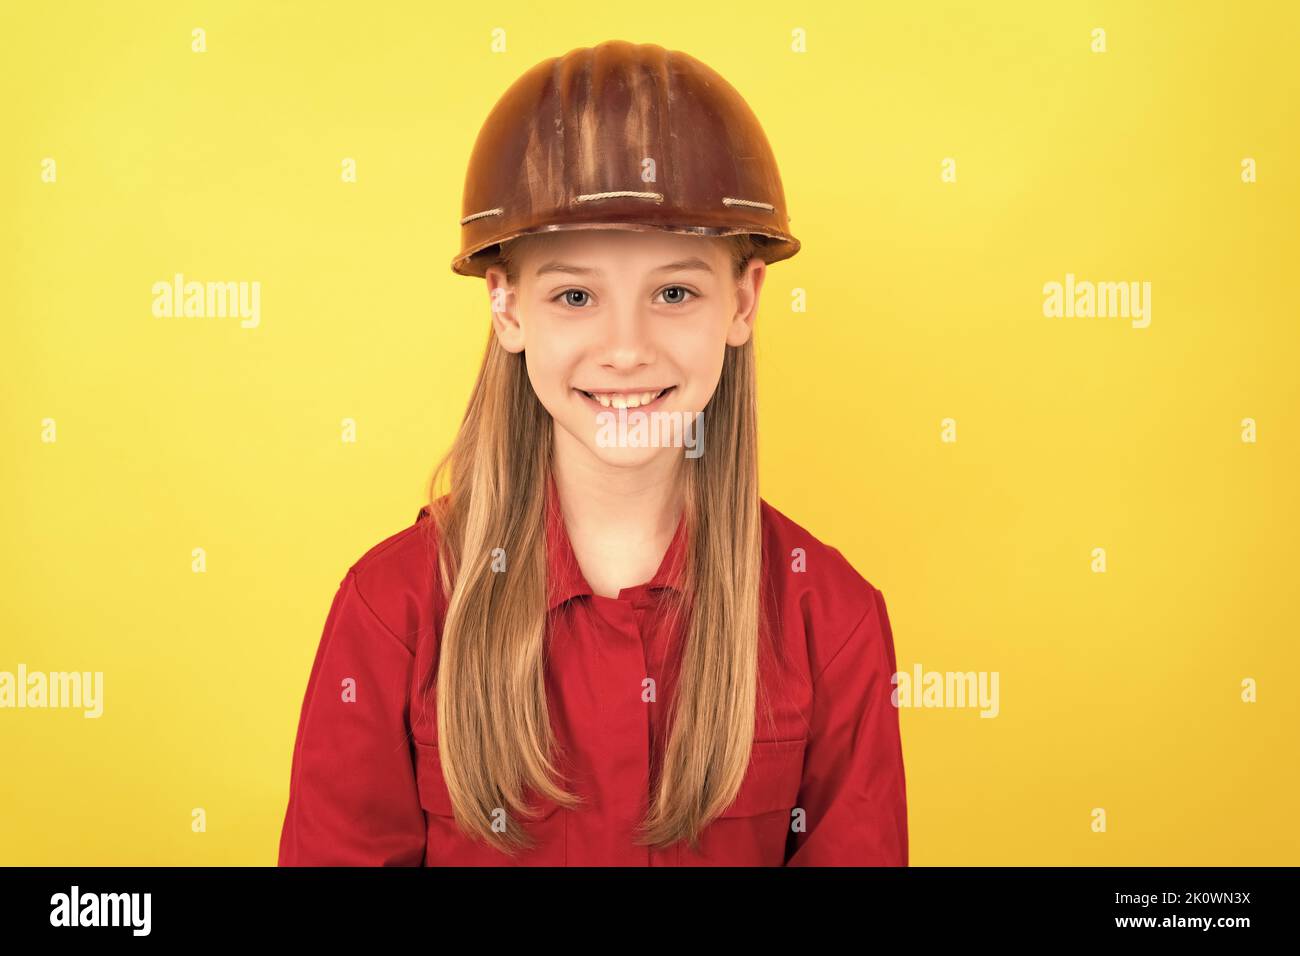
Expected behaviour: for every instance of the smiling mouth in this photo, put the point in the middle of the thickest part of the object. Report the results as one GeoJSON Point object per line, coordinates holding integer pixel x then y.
{"type": "Point", "coordinates": [641, 399]}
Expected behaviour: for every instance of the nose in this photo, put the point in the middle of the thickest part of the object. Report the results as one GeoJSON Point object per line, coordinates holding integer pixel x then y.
{"type": "Point", "coordinates": [627, 338]}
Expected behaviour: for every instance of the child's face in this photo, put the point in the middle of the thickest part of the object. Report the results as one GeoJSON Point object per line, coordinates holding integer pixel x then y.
{"type": "Point", "coordinates": [607, 311]}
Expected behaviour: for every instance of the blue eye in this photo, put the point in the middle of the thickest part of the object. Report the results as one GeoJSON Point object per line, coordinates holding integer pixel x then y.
{"type": "Point", "coordinates": [673, 295]}
{"type": "Point", "coordinates": [569, 292]}
{"type": "Point", "coordinates": [680, 289]}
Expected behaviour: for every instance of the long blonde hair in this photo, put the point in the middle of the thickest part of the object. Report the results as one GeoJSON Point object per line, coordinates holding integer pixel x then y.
{"type": "Point", "coordinates": [494, 734]}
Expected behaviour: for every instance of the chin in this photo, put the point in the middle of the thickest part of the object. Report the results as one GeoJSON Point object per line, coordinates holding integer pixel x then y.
{"type": "Point", "coordinates": [630, 457]}
{"type": "Point", "coordinates": [621, 456]}
{"type": "Point", "coordinates": [674, 435]}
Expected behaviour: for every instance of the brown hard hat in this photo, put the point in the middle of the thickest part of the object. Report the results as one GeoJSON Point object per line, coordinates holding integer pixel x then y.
{"type": "Point", "coordinates": [621, 136]}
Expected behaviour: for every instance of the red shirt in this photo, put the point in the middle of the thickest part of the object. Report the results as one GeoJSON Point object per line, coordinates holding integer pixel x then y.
{"type": "Point", "coordinates": [366, 785]}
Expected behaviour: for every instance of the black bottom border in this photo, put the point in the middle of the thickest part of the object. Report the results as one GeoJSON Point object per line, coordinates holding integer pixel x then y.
{"type": "Point", "coordinates": [242, 904]}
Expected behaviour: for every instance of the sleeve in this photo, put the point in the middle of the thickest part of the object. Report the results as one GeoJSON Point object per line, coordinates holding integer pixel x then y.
{"type": "Point", "coordinates": [853, 790]}
{"type": "Point", "coordinates": [353, 799]}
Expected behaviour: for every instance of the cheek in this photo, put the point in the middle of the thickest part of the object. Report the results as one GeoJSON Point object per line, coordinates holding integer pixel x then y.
{"type": "Point", "coordinates": [543, 374]}
{"type": "Point", "coordinates": [699, 354]}
{"type": "Point", "coordinates": [550, 361]}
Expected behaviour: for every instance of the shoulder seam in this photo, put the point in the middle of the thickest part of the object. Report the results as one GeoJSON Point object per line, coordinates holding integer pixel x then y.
{"type": "Point", "coordinates": [853, 630]}
{"type": "Point", "coordinates": [356, 586]}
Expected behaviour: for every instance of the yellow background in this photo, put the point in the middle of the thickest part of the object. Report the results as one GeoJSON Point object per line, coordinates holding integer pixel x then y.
{"type": "Point", "coordinates": [1118, 690]}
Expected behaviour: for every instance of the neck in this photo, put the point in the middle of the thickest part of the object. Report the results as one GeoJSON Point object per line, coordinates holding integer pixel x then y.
{"type": "Point", "coordinates": [637, 502]}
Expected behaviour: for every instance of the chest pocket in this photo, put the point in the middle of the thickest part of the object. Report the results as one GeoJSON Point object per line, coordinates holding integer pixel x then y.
{"type": "Point", "coordinates": [448, 845]}
{"type": "Point", "coordinates": [753, 829]}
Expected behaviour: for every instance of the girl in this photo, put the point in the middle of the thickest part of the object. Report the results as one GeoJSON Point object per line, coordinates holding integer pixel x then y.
{"type": "Point", "coordinates": [601, 647]}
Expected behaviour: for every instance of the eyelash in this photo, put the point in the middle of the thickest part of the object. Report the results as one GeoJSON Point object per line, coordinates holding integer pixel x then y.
{"type": "Point", "coordinates": [690, 292]}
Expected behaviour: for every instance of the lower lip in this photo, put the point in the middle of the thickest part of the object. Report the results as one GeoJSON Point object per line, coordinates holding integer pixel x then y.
{"type": "Point", "coordinates": [640, 408]}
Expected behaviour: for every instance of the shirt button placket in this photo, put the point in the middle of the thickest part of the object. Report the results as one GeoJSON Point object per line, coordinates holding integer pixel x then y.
{"type": "Point", "coordinates": [628, 731]}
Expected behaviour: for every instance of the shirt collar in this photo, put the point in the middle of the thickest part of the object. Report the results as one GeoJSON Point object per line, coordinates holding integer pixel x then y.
{"type": "Point", "coordinates": [565, 578]}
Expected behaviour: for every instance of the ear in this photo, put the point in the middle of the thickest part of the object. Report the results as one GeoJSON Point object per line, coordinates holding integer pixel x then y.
{"type": "Point", "coordinates": [504, 303]}
{"type": "Point", "coordinates": [748, 287]}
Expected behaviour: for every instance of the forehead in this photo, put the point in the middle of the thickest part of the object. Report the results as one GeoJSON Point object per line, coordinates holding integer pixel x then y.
{"type": "Point", "coordinates": [617, 250]}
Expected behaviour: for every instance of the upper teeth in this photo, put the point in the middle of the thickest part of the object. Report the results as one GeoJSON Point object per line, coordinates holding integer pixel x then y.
{"type": "Point", "coordinates": [624, 399]}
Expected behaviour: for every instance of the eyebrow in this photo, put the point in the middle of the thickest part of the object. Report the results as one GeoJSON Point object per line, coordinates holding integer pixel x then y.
{"type": "Point", "coordinates": [682, 265]}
